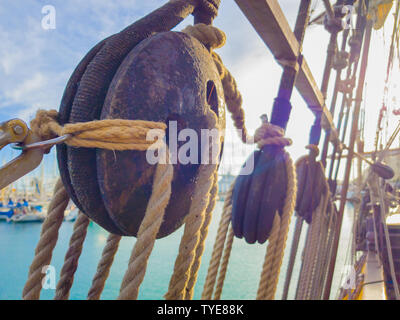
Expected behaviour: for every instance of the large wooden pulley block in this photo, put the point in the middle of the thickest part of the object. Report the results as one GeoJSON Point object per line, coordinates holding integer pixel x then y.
{"type": "Point", "coordinates": [258, 197]}
{"type": "Point", "coordinates": [169, 77]}
{"type": "Point", "coordinates": [311, 185]}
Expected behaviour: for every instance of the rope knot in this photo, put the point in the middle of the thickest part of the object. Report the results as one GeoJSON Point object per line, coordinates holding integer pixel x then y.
{"type": "Point", "coordinates": [270, 134]}
{"type": "Point", "coordinates": [45, 124]}
{"type": "Point", "coordinates": [209, 36]}
{"type": "Point", "coordinates": [314, 150]}
{"type": "Point", "coordinates": [208, 7]}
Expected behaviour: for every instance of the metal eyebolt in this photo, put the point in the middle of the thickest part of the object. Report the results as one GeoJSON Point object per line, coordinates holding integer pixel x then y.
{"type": "Point", "coordinates": [18, 129]}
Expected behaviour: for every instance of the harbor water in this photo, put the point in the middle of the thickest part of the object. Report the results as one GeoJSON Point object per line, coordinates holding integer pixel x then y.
{"type": "Point", "coordinates": [19, 240]}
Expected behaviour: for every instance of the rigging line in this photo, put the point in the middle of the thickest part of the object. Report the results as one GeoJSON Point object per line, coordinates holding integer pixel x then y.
{"type": "Point", "coordinates": [345, 185]}
{"type": "Point", "coordinates": [397, 39]}
{"type": "Point", "coordinates": [351, 74]}
{"type": "Point", "coordinates": [329, 9]}
{"type": "Point", "coordinates": [382, 154]}
{"type": "Point", "coordinates": [391, 52]}
{"type": "Point", "coordinates": [393, 137]}
{"type": "Point", "coordinates": [372, 282]}
{"type": "Point", "coordinates": [344, 133]}
{"type": "Point", "coordinates": [343, 275]}
{"type": "Point", "coordinates": [394, 40]}
{"type": "Point", "coordinates": [335, 94]}
{"type": "Point", "coordinates": [313, 8]}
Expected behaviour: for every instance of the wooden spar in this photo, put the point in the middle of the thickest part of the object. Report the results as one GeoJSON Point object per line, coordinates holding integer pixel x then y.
{"type": "Point", "coordinates": [282, 107]}
{"type": "Point", "coordinates": [353, 136]}
{"type": "Point", "coordinates": [268, 20]}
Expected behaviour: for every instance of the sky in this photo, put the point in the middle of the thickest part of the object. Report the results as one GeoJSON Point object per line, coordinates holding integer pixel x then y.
{"type": "Point", "coordinates": [35, 63]}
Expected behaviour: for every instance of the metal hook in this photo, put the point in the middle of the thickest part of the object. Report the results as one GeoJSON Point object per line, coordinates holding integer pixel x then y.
{"type": "Point", "coordinates": [16, 131]}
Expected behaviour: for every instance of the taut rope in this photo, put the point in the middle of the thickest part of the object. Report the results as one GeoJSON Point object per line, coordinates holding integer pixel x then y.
{"type": "Point", "coordinates": [147, 232]}
{"type": "Point", "coordinates": [214, 38]}
{"type": "Point", "coordinates": [192, 233]}
{"type": "Point", "coordinates": [71, 258]}
{"type": "Point", "coordinates": [218, 247]}
{"type": "Point", "coordinates": [115, 134]}
{"type": "Point", "coordinates": [224, 264]}
{"type": "Point", "coordinates": [104, 266]}
{"type": "Point", "coordinates": [277, 240]}
{"type": "Point", "coordinates": [203, 235]}
{"type": "Point", "coordinates": [47, 242]}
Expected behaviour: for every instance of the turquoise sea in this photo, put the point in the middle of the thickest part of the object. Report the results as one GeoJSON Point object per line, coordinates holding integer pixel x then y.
{"type": "Point", "coordinates": [18, 241]}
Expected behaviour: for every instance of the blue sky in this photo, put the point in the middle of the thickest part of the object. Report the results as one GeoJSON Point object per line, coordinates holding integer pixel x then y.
{"type": "Point", "coordinates": [35, 64]}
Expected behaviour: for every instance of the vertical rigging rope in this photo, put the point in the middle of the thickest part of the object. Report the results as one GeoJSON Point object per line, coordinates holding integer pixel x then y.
{"type": "Point", "coordinates": [224, 264]}
{"type": "Point", "coordinates": [192, 234]}
{"type": "Point", "coordinates": [148, 231]}
{"type": "Point", "coordinates": [204, 232]}
{"type": "Point", "coordinates": [278, 237]}
{"type": "Point", "coordinates": [218, 247]}
{"type": "Point", "coordinates": [292, 258]}
{"type": "Point", "coordinates": [104, 266]}
{"type": "Point", "coordinates": [47, 242]}
{"type": "Point", "coordinates": [72, 256]}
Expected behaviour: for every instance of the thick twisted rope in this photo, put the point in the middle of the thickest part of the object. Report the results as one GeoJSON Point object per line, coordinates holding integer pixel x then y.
{"type": "Point", "coordinates": [314, 254]}
{"type": "Point", "coordinates": [201, 246]}
{"type": "Point", "coordinates": [292, 257]}
{"type": "Point", "coordinates": [192, 233]}
{"type": "Point", "coordinates": [218, 246]}
{"type": "Point", "coordinates": [71, 258]}
{"type": "Point", "coordinates": [277, 241]}
{"type": "Point", "coordinates": [47, 242]}
{"type": "Point", "coordinates": [267, 134]}
{"type": "Point", "coordinates": [104, 266]}
{"type": "Point", "coordinates": [311, 251]}
{"type": "Point", "coordinates": [115, 134]}
{"type": "Point", "coordinates": [210, 7]}
{"type": "Point", "coordinates": [224, 264]}
{"type": "Point", "coordinates": [214, 38]}
{"type": "Point", "coordinates": [193, 223]}
{"type": "Point", "coordinates": [312, 243]}
{"type": "Point", "coordinates": [268, 261]}
{"type": "Point", "coordinates": [330, 237]}
{"type": "Point", "coordinates": [270, 134]}
{"type": "Point", "coordinates": [320, 263]}
{"type": "Point", "coordinates": [147, 233]}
